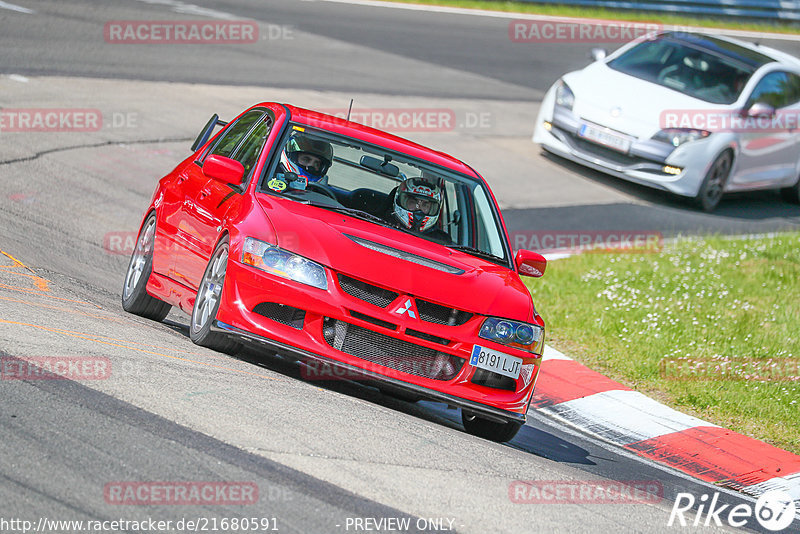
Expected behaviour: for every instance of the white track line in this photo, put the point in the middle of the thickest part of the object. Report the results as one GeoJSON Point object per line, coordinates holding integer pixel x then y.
{"type": "Point", "coordinates": [18, 9]}
{"type": "Point", "coordinates": [530, 16]}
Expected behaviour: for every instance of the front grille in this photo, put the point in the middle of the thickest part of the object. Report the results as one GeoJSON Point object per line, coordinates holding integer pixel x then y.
{"type": "Point", "coordinates": [390, 352]}
{"type": "Point", "coordinates": [427, 337]}
{"type": "Point", "coordinates": [373, 320]}
{"type": "Point", "coordinates": [282, 313]}
{"type": "Point", "coordinates": [482, 377]}
{"type": "Point", "coordinates": [435, 313]}
{"type": "Point", "coordinates": [367, 292]}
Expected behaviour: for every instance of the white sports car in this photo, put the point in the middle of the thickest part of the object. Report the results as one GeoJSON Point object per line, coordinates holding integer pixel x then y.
{"type": "Point", "coordinates": [693, 114]}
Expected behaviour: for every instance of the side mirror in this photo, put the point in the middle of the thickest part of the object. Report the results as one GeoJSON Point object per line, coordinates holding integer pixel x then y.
{"type": "Point", "coordinates": [598, 54]}
{"type": "Point", "coordinates": [761, 109]}
{"type": "Point", "coordinates": [225, 170]}
{"type": "Point", "coordinates": [205, 133]}
{"type": "Point", "coordinates": [530, 263]}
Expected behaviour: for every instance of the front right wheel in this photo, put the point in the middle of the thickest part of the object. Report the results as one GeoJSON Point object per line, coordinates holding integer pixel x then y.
{"type": "Point", "coordinates": [486, 429]}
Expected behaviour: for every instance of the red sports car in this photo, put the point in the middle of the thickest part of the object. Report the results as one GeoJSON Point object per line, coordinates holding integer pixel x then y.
{"type": "Point", "coordinates": [345, 246]}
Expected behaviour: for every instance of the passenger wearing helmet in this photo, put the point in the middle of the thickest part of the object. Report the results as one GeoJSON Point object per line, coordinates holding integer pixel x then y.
{"type": "Point", "coordinates": [308, 158]}
{"type": "Point", "coordinates": [417, 204]}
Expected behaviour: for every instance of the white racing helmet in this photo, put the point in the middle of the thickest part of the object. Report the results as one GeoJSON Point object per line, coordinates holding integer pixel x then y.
{"type": "Point", "coordinates": [417, 204]}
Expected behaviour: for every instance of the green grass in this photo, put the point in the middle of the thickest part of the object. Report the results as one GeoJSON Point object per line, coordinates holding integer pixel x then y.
{"type": "Point", "coordinates": [569, 11]}
{"type": "Point", "coordinates": [726, 300]}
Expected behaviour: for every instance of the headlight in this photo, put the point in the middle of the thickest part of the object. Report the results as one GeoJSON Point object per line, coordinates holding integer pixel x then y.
{"type": "Point", "coordinates": [678, 136]}
{"type": "Point", "coordinates": [280, 262]}
{"type": "Point", "coordinates": [564, 96]}
{"type": "Point", "coordinates": [524, 336]}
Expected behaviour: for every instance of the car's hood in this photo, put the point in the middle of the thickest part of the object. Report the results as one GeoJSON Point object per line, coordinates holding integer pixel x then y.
{"type": "Point", "coordinates": [343, 243]}
{"type": "Point", "coordinates": [625, 103]}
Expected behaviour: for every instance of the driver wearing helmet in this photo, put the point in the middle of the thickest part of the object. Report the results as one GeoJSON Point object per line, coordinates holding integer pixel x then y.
{"type": "Point", "coordinates": [417, 204]}
{"type": "Point", "coordinates": [307, 158]}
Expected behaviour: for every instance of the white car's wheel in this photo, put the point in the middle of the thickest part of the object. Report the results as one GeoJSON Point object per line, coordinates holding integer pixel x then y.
{"type": "Point", "coordinates": [714, 183]}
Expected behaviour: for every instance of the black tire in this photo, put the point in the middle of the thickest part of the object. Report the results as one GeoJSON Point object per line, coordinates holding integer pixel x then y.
{"type": "Point", "coordinates": [135, 298]}
{"type": "Point", "coordinates": [713, 186]}
{"type": "Point", "coordinates": [792, 194]}
{"type": "Point", "coordinates": [486, 429]}
{"type": "Point", "coordinates": [207, 302]}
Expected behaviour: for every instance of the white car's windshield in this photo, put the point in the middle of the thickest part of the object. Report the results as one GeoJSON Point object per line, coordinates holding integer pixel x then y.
{"type": "Point", "coordinates": [713, 74]}
{"type": "Point", "coordinates": [388, 188]}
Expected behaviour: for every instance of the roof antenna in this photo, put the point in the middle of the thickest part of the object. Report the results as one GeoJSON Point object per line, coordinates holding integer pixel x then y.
{"type": "Point", "coordinates": [349, 110]}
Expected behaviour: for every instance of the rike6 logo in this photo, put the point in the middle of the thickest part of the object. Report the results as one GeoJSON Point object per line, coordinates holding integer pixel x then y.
{"type": "Point", "coordinates": [774, 511]}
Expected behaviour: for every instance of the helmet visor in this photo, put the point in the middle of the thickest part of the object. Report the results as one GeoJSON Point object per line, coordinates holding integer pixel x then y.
{"type": "Point", "coordinates": [413, 202]}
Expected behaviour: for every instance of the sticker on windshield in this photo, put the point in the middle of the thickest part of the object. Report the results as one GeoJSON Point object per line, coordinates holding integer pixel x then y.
{"type": "Point", "coordinates": [277, 185]}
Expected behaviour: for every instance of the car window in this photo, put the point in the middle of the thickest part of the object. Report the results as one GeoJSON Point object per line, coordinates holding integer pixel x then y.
{"type": "Point", "coordinates": [235, 133]}
{"type": "Point", "coordinates": [249, 149]}
{"type": "Point", "coordinates": [778, 89]}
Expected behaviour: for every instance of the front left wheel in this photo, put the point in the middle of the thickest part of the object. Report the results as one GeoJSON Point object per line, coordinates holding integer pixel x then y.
{"type": "Point", "coordinates": [206, 304]}
{"type": "Point", "coordinates": [714, 182]}
{"type": "Point", "coordinates": [135, 298]}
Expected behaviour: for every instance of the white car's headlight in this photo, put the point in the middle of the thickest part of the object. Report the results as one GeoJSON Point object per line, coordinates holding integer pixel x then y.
{"type": "Point", "coordinates": [564, 96]}
{"type": "Point", "coordinates": [275, 260]}
{"type": "Point", "coordinates": [678, 136]}
{"type": "Point", "coordinates": [524, 336]}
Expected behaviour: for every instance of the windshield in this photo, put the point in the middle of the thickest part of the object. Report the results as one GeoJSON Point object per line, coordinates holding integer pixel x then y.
{"type": "Point", "coordinates": [384, 187]}
{"type": "Point", "coordinates": [692, 71]}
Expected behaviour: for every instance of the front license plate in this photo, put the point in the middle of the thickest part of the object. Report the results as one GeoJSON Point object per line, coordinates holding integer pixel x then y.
{"type": "Point", "coordinates": [605, 137]}
{"type": "Point", "coordinates": [491, 360]}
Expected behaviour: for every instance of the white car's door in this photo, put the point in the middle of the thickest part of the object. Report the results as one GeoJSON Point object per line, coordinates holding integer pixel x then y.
{"type": "Point", "coordinates": [770, 146]}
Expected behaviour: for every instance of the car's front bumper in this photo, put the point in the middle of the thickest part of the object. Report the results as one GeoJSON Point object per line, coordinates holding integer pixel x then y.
{"type": "Point", "coordinates": [557, 131]}
{"type": "Point", "coordinates": [311, 339]}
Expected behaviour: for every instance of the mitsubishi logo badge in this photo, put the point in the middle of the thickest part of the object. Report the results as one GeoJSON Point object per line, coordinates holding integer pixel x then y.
{"type": "Point", "coordinates": [407, 308]}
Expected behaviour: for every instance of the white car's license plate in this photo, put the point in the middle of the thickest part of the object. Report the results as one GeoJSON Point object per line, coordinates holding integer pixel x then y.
{"type": "Point", "coordinates": [491, 360]}
{"type": "Point", "coordinates": [605, 137]}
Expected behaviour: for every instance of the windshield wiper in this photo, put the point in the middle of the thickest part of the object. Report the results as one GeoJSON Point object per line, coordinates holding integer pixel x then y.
{"type": "Point", "coordinates": [348, 211]}
{"type": "Point", "coordinates": [475, 252]}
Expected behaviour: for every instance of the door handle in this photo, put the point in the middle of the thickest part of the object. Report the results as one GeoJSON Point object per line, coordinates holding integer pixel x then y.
{"type": "Point", "coordinates": [204, 193]}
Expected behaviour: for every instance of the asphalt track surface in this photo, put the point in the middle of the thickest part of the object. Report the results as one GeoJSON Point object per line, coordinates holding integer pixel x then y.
{"type": "Point", "coordinates": [319, 452]}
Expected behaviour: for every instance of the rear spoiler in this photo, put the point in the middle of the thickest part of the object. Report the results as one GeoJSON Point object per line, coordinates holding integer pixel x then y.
{"type": "Point", "coordinates": [208, 129]}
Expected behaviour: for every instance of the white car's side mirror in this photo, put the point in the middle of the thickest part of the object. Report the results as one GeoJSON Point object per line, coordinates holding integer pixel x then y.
{"type": "Point", "coordinates": [598, 54]}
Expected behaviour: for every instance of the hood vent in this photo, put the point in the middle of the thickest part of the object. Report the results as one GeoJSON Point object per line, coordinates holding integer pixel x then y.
{"type": "Point", "coordinates": [407, 256]}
